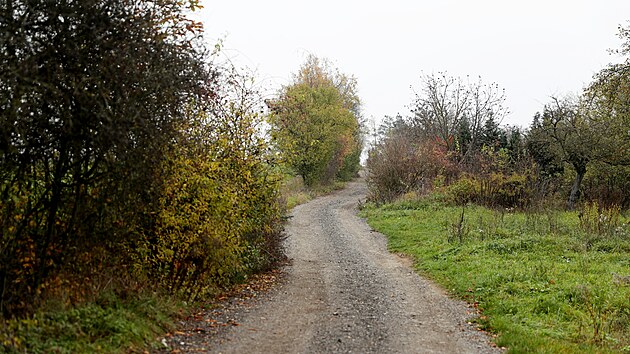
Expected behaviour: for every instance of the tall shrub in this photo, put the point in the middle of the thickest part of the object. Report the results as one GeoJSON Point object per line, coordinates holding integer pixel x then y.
{"type": "Point", "coordinates": [218, 216]}
{"type": "Point", "coordinates": [91, 93]}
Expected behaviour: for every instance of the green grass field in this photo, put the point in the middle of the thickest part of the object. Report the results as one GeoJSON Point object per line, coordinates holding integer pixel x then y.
{"type": "Point", "coordinates": [543, 282]}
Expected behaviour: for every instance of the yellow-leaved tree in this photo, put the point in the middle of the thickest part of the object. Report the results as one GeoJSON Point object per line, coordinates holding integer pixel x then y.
{"type": "Point", "coordinates": [316, 124]}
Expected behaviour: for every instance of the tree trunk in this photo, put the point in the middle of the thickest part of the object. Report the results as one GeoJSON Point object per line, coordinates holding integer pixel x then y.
{"type": "Point", "coordinates": [575, 189]}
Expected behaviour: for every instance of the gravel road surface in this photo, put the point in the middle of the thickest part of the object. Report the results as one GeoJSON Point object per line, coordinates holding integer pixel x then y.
{"type": "Point", "coordinates": [345, 293]}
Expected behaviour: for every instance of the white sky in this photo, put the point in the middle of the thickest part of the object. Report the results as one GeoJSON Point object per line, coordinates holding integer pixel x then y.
{"type": "Point", "coordinates": [533, 49]}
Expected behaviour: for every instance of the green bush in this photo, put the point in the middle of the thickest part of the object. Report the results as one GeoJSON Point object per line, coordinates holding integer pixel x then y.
{"type": "Point", "coordinates": [496, 190]}
{"type": "Point", "coordinates": [197, 238]}
{"type": "Point", "coordinates": [505, 190]}
{"type": "Point", "coordinates": [465, 190]}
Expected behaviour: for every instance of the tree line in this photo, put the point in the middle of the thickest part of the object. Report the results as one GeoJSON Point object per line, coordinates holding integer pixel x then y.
{"type": "Point", "coordinates": [576, 149]}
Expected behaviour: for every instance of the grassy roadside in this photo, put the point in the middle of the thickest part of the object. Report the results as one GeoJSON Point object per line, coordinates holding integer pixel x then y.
{"type": "Point", "coordinates": [544, 282]}
{"type": "Point", "coordinates": [110, 324]}
{"type": "Point", "coordinates": [295, 192]}
{"type": "Point", "coordinates": [115, 323]}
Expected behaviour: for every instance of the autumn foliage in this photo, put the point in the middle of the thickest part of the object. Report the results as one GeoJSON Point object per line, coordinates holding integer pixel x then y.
{"type": "Point", "coordinates": [219, 216]}
{"type": "Point", "coordinates": [452, 143]}
{"type": "Point", "coordinates": [128, 159]}
{"type": "Point", "coordinates": [315, 124]}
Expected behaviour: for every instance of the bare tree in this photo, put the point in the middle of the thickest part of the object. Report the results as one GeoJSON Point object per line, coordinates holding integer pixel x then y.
{"type": "Point", "coordinates": [447, 106]}
{"type": "Point", "coordinates": [440, 107]}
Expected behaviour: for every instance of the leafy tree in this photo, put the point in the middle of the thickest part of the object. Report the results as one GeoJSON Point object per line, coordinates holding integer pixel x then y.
{"type": "Point", "coordinates": [608, 98]}
{"type": "Point", "coordinates": [90, 94]}
{"type": "Point", "coordinates": [590, 130]}
{"type": "Point", "coordinates": [564, 133]}
{"type": "Point", "coordinates": [608, 102]}
{"type": "Point", "coordinates": [316, 124]}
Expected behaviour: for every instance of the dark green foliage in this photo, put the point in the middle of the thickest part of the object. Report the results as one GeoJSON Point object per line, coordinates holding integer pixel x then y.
{"type": "Point", "coordinates": [90, 92]}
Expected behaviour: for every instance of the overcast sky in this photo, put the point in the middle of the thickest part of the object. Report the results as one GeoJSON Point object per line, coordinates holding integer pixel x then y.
{"type": "Point", "coordinates": [533, 49]}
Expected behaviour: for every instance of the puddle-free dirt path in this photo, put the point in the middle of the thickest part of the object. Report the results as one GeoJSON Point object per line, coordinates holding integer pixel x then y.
{"type": "Point", "coordinates": [345, 293]}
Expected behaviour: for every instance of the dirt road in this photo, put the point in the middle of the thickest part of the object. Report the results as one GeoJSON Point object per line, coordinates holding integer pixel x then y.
{"type": "Point", "coordinates": [345, 293]}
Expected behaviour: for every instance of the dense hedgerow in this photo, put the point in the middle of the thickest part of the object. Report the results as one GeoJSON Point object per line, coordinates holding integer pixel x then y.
{"type": "Point", "coordinates": [129, 163]}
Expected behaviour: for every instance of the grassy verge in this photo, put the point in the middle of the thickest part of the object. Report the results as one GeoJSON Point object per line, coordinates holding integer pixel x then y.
{"type": "Point", "coordinates": [544, 282]}
{"type": "Point", "coordinates": [108, 325]}
{"type": "Point", "coordinates": [295, 192]}
{"type": "Point", "coordinates": [115, 323]}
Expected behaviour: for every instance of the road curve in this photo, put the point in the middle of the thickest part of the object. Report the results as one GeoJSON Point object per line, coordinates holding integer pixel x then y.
{"type": "Point", "coordinates": [345, 293]}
